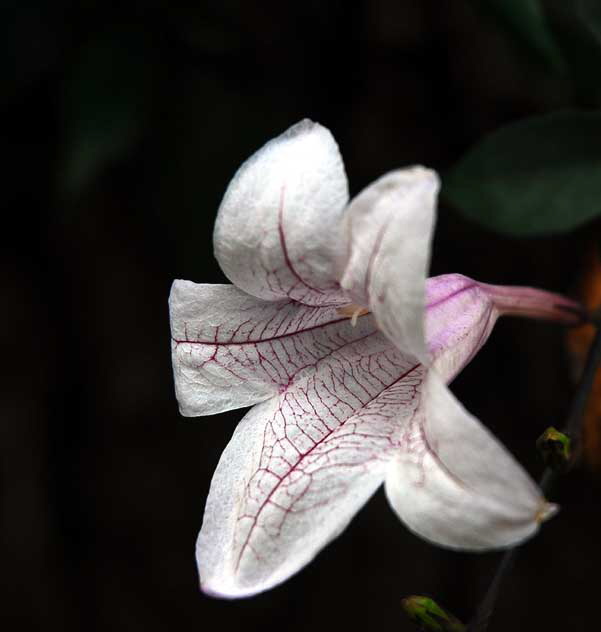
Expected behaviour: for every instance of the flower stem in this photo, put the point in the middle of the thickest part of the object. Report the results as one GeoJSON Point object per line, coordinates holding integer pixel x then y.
{"type": "Point", "coordinates": [572, 428]}
{"type": "Point", "coordinates": [484, 612]}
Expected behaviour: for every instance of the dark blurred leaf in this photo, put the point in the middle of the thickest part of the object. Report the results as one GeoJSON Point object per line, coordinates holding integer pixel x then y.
{"type": "Point", "coordinates": [590, 15]}
{"type": "Point", "coordinates": [577, 28]}
{"type": "Point", "coordinates": [539, 176]}
{"type": "Point", "coordinates": [106, 105]}
{"type": "Point", "coordinates": [525, 20]}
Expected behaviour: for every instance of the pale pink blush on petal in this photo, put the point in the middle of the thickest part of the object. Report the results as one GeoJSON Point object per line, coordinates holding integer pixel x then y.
{"type": "Point", "coordinates": [534, 303]}
{"type": "Point", "coordinates": [458, 320]}
{"type": "Point", "coordinates": [461, 313]}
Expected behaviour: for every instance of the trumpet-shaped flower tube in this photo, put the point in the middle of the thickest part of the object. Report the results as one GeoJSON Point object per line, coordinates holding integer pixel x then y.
{"type": "Point", "coordinates": [332, 333]}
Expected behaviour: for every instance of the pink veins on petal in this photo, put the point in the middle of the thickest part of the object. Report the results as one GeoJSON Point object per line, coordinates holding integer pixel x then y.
{"type": "Point", "coordinates": [282, 236]}
{"type": "Point", "coordinates": [342, 421]}
{"type": "Point", "coordinates": [296, 287]}
{"type": "Point", "coordinates": [340, 431]}
{"type": "Point", "coordinates": [238, 350]}
{"type": "Point", "coordinates": [339, 406]}
{"type": "Point", "coordinates": [335, 403]}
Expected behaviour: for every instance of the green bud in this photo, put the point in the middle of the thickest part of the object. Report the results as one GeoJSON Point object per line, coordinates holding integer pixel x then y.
{"type": "Point", "coordinates": [429, 616]}
{"type": "Point", "coordinates": [554, 448]}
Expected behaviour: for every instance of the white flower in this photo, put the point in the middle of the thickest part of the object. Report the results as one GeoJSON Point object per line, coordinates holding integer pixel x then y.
{"type": "Point", "coordinates": [340, 405]}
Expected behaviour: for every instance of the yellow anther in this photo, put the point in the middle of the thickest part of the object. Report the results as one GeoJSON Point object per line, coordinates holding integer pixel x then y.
{"type": "Point", "coordinates": [353, 312]}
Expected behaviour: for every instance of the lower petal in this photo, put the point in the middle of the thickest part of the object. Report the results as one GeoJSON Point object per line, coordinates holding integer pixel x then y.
{"type": "Point", "coordinates": [265, 519]}
{"type": "Point", "coordinates": [454, 484]}
{"type": "Point", "coordinates": [300, 465]}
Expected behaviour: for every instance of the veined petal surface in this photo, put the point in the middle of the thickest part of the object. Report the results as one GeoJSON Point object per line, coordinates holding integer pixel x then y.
{"type": "Point", "coordinates": [459, 318]}
{"type": "Point", "coordinates": [461, 313]}
{"type": "Point", "coordinates": [454, 484]}
{"type": "Point", "coordinates": [299, 467]}
{"type": "Point", "coordinates": [389, 227]}
{"type": "Point", "coordinates": [277, 230]}
{"type": "Point", "coordinates": [230, 349]}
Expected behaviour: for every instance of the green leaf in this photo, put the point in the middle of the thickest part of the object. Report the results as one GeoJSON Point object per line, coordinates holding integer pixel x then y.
{"type": "Point", "coordinates": [105, 106]}
{"type": "Point", "coordinates": [539, 176]}
{"type": "Point", "coordinates": [526, 21]}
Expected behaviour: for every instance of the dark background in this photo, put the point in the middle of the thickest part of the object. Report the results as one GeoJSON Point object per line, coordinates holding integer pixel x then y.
{"type": "Point", "coordinates": [123, 126]}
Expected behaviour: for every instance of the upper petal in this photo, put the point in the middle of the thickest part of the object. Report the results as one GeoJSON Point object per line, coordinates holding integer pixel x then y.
{"type": "Point", "coordinates": [299, 466]}
{"type": "Point", "coordinates": [389, 229]}
{"type": "Point", "coordinates": [277, 230]}
{"type": "Point", "coordinates": [454, 484]}
{"type": "Point", "coordinates": [230, 349]}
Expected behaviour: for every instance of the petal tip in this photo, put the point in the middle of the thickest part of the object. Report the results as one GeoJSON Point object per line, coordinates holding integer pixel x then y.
{"type": "Point", "coordinates": [179, 288]}
{"type": "Point", "coordinates": [184, 411]}
{"type": "Point", "coordinates": [427, 174]}
{"type": "Point", "coordinates": [419, 175]}
{"type": "Point", "coordinates": [209, 591]}
{"type": "Point", "coordinates": [546, 511]}
{"type": "Point", "coordinates": [229, 589]}
{"type": "Point", "coordinates": [305, 127]}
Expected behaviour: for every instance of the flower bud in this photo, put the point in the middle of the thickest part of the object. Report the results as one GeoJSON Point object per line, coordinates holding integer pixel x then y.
{"type": "Point", "coordinates": [428, 615]}
{"type": "Point", "coordinates": [554, 449]}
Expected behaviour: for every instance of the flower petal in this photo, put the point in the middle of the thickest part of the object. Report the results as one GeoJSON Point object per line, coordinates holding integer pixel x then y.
{"type": "Point", "coordinates": [534, 303]}
{"type": "Point", "coordinates": [299, 467]}
{"type": "Point", "coordinates": [231, 350]}
{"type": "Point", "coordinates": [389, 228]}
{"type": "Point", "coordinates": [277, 230]}
{"type": "Point", "coordinates": [455, 485]}
{"type": "Point", "coordinates": [460, 316]}
{"type": "Point", "coordinates": [461, 312]}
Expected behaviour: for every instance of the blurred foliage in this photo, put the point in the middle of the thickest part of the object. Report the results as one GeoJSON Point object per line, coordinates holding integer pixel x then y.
{"type": "Point", "coordinates": [153, 78]}
{"type": "Point", "coordinates": [538, 176]}
{"type": "Point", "coordinates": [543, 174]}
{"type": "Point", "coordinates": [590, 14]}
{"type": "Point", "coordinates": [576, 28]}
{"type": "Point", "coordinates": [525, 20]}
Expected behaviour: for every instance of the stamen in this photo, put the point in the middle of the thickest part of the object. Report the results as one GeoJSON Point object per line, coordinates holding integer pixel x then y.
{"type": "Point", "coordinates": [353, 312]}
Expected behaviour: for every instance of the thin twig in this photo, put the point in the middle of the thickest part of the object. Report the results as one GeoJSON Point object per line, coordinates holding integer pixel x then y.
{"type": "Point", "coordinates": [573, 429]}
{"type": "Point", "coordinates": [484, 612]}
